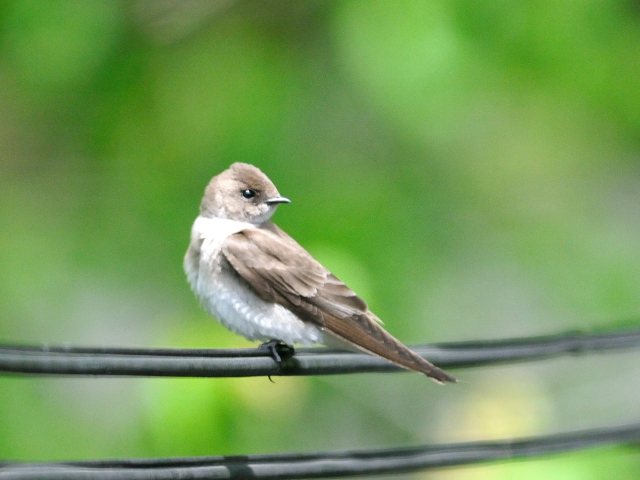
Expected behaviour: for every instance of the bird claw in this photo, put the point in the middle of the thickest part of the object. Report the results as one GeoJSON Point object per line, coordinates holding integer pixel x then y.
{"type": "Point", "coordinates": [278, 350]}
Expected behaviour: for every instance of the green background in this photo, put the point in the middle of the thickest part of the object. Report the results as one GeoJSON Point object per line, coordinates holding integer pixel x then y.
{"type": "Point", "coordinates": [471, 168]}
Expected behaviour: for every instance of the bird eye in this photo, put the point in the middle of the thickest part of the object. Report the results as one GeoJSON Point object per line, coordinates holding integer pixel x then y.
{"type": "Point", "coordinates": [248, 194]}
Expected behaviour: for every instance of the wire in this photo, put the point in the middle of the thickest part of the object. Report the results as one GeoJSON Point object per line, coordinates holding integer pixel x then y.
{"type": "Point", "coordinates": [67, 360]}
{"type": "Point", "coordinates": [324, 465]}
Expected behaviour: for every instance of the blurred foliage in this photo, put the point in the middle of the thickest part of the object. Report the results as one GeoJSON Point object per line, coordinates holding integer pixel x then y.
{"type": "Point", "coordinates": [472, 168]}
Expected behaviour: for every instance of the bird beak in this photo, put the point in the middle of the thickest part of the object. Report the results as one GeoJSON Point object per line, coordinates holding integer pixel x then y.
{"type": "Point", "coordinates": [275, 200]}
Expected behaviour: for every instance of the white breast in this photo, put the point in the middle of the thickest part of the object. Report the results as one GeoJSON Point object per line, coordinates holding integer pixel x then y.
{"type": "Point", "coordinates": [231, 300]}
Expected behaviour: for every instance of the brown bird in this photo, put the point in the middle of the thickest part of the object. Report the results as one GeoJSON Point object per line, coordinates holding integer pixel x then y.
{"type": "Point", "coordinates": [260, 283]}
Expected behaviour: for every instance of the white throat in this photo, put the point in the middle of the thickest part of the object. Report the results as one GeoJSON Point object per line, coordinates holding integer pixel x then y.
{"type": "Point", "coordinates": [217, 229]}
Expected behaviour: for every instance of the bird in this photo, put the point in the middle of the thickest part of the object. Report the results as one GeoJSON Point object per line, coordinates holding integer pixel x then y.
{"type": "Point", "coordinates": [260, 283]}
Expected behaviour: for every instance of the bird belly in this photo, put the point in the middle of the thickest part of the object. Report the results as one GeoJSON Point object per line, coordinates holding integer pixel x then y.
{"type": "Point", "coordinates": [240, 310]}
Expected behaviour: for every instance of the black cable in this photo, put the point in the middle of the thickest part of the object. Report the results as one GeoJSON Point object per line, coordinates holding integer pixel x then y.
{"type": "Point", "coordinates": [323, 465]}
{"type": "Point", "coordinates": [66, 360]}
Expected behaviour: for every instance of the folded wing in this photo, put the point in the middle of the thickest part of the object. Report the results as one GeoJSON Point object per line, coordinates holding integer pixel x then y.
{"type": "Point", "coordinates": [281, 271]}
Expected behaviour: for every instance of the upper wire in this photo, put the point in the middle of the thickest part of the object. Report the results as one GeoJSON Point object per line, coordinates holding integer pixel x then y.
{"type": "Point", "coordinates": [248, 362]}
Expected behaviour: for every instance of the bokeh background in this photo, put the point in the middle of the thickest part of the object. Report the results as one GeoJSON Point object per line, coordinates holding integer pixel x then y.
{"type": "Point", "coordinates": [471, 168]}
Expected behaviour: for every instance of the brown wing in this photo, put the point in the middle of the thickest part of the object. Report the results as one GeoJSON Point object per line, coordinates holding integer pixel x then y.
{"type": "Point", "coordinates": [281, 271]}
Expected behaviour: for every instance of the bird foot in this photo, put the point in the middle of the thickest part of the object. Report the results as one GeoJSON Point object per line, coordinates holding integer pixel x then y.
{"type": "Point", "coordinates": [278, 350]}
